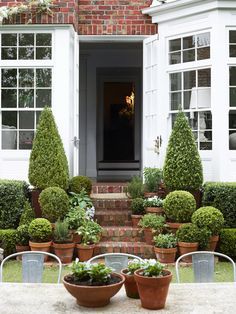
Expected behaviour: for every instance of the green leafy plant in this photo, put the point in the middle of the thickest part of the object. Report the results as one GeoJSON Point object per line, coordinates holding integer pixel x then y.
{"type": "Point", "coordinates": [22, 235]}
{"type": "Point", "coordinates": [76, 217]}
{"type": "Point", "coordinates": [48, 163]}
{"type": "Point", "coordinates": [165, 241]}
{"type": "Point", "coordinates": [182, 168]}
{"type": "Point", "coordinates": [80, 199]}
{"type": "Point", "coordinates": [179, 206]}
{"type": "Point", "coordinates": [61, 233]}
{"type": "Point", "coordinates": [208, 217]}
{"type": "Point", "coordinates": [153, 221]}
{"type": "Point", "coordinates": [152, 268]}
{"type": "Point", "coordinates": [154, 201]}
{"type": "Point", "coordinates": [188, 233]}
{"type": "Point", "coordinates": [40, 230]}
{"type": "Point", "coordinates": [90, 232]}
{"type": "Point", "coordinates": [137, 206]}
{"type": "Point", "coordinates": [54, 203]}
{"type": "Point", "coordinates": [227, 243]}
{"type": "Point", "coordinates": [134, 265]}
{"type": "Point", "coordinates": [27, 215]}
{"type": "Point", "coordinates": [152, 178]}
{"type": "Point", "coordinates": [135, 188]}
{"type": "Point", "coordinates": [78, 183]}
{"type": "Point", "coordinates": [8, 240]}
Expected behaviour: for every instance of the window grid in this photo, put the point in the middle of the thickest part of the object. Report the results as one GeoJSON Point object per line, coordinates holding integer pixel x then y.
{"type": "Point", "coordinates": [232, 107]}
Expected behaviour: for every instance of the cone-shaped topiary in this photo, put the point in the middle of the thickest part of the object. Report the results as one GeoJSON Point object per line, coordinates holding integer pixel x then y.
{"type": "Point", "coordinates": [182, 168]}
{"type": "Point", "coordinates": [48, 163]}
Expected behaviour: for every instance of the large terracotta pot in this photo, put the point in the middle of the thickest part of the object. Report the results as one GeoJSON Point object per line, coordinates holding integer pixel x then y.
{"type": "Point", "coordinates": [154, 210]}
{"type": "Point", "coordinates": [84, 252]}
{"type": "Point", "coordinates": [94, 296]}
{"type": "Point", "coordinates": [186, 247]}
{"type": "Point", "coordinates": [64, 251]}
{"type": "Point", "coordinates": [165, 255]}
{"type": "Point", "coordinates": [174, 226]}
{"type": "Point", "coordinates": [213, 243]}
{"type": "Point", "coordinates": [43, 246]}
{"type": "Point", "coordinates": [135, 220]}
{"type": "Point", "coordinates": [148, 235]}
{"type": "Point", "coordinates": [35, 202]}
{"type": "Point", "coordinates": [130, 285]}
{"type": "Point", "coordinates": [153, 290]}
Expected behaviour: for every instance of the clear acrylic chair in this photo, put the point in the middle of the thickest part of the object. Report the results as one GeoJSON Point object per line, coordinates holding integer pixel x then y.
{"type": "Point", "coordinates": [204, 265]}
{"type": "Point", "coordinates": [32, 266]}
{"type": "Point", "coordinates": [117, 261]}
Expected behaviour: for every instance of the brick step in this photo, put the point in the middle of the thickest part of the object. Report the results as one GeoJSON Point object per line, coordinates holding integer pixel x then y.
{"type": "Point", "coordinates": [113, 218]}
{"type": "Point", "coordinates": [109, 187]}
{"type": "Point", "coordinates": [137, 248]}
{"type": "Point", "coordinates": [124, 234]}
{"type": "Point", "coordinates": [111, 204]}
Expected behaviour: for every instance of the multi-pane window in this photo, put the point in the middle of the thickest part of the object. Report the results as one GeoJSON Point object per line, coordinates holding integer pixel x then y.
{"type": "Point", "coordinates": [190, 48]}
{"type": "Point", "coordinates": [191, 92]}
{"type": "Point", "coordinates": [232, 43]}
{"type": "Point", "coordinates": [232, 111]}
{"type": "Point", "coordinates": [24, 90]}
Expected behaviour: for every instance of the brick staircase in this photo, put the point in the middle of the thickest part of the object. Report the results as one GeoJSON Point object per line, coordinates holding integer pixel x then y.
{"type": "Point", "coordinates": [114, 215]}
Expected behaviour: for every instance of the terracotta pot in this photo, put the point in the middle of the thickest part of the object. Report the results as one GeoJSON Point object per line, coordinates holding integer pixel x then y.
{"type": "Point", "coordinates": [35, 202]}
{"type": "Point", "coordinates": [94, 296]}
{"type": "Point", "coordinates": [130, 285]}
{"type": "Point", "coordinates": [213, 243]}
{"type": "Point", "coordinates": [150, 194]}
{"type": "Point", "coordinates": [154, 210]}
{"type": "Point", "coordinates": [148, 235]}
{"type": "Point", "coordinates": [186, 247]}
{"type": "Point", "coordinates": [64, 251]}
{"type": "Point", "coordinates": [135, 220]}
{"type": "Point", "coordinates": [174, 226]}
{"type": "Point", "coordinates": [84, 252]}
{"type": "Point", "coordinates": [76, 238]}
{"type": "Point", "coordinates": [153, 290]}
{"type": "Point", "coordinates": [21, 248]}
{"type": "Point", "coordinates": [165, 255]}
{"type": "Point", "coordinates": [44, 247]}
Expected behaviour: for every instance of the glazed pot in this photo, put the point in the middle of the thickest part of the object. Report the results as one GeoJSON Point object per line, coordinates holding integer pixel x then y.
{"type": "Point", "coordinates": [165, 255]}
{"type": "Point", "coordinates": [43, 247]}
{"type": "Point", "coordinates": [84, 252]}
{"type": "Point", "coordinates": [64, 251]}
{"type": "Point", "coordinates": [154, 210]}
{"type": "Point", "coordinates": [187, 247]}
{"type": "Point", "coordinates": [213, 243]}
{"type": "Point", "coordinates": [94, 296]}
{"type": "Point", "coordinates": [135, 220]}
{"type": "Point", "coordinates": [130, 285]}
{"type": "Point", "coordinates": [153, 290]}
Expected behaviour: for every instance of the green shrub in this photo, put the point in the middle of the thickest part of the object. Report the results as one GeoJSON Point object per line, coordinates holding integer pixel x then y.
{"type": "Point", "coordinates": [156, 222]}
{"type": "Point", "coordinates": [40, 230]}
{"type": "Point", "coordinates": [22, 235]}
{"type": "Point", "coordinates": [61, 233]}
{"type": "Point", "coordinates": [27, 215]}
{"type": "Point", "coordinates": [135, 187]}
{"type": "Point", "coordinates": [179, 206]}
{"type": "Point", "coordinates": [48, 163]}
{"type": "Point", "coordinates": [90, 232]}
{"type": "Point", "coordinates": [8, 241]}
{"type": "Point", "coordinates": [54, 203]}
{"type": "Point", "coordinates": [78, 183]}
{"type": "Point", "coordinates": [188, 233]}
{"type": "Point", "coordinates": [182, 168]}
{"type": "Point", "coordinates": [12, 200]}
{"type": "Point", "coordinates": [137, 206]}
{"type": "Point", "coordinates": [208, 217]}
{"type": "Point", "coordinates": [227, 244]}
{"type": "Point", "coordinates": [165, 241]}
{"type": "Point", "coordinates": [152, 178]}
{"type": "Point", "coordinates": [223, 197]}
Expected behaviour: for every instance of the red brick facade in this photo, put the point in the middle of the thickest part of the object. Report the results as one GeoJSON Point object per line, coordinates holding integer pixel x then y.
{"type": "Point", "coordinates": [94, 17]}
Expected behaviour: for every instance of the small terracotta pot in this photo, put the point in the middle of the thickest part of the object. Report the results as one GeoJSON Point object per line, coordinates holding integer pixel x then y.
{"type": "Point", "coordinates": [84, 252]}
{"type": "Point", "coordinates": [186, 247]}
{"type": "Point", "coordinates": [154, 210]}
{"type": "Point", "coordinates": [21, 248]}
{"type": "Point", "coordinates": [153, 290]}
{"type": "Point", "coordinates": [130, 285]}
{"type": "Point", "coordinates": [64, 251]}
{"type": "Point", "coordinates": [174, 226]}
{"type": "Point", "coordinates": [135, 220]}
{"type": "Point", "coordinates": [165, 255]}
{"type": "Point", "coordinates": [148, 235]}
{"type": "Point", "coordinates": [213, 243]}
{"type": "Point", "coordinates": [44, 247]}
{"type": "Point", "coordinates": [76, 238]}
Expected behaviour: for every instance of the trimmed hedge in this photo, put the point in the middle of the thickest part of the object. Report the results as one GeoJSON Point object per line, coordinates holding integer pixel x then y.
{"type": "Point", "coordinates": [12, 201]}
{"type": "Point", "coordinates": [223, 197]}
{"type": "Point", "coordinates": [227, 243]}
{"type": "Point", "coordinates": [8, 241]}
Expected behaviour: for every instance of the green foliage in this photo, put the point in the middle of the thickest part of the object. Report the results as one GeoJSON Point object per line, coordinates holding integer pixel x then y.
{"type": "Point", "coordinates": [80, 199]}
{"type": "Point", "coordinates": [165, 241]}
{"type": "Point", "coordinates": [12, 200]}
{"type": "Point", "coordinates": [54, 203]}
{"type": "Point", "coordinates": [154, 201]}
{"type": "Point", "coordinates": [156, 222]}
{"type": "Point", "coordinates": [27, 215]}
{"type": "Point", "coordinates": [78, 183]}
{"type": "Point", "coordinates": [152, 178]}
{"type": "Point", "coordinates": [208, 217]}
{"type": "Point", "coordinates": [61, 233]}
{"type": "Point", "coordinates": [204, 237]}
{"type": "Point", "coordinates": [222, 196]}
{"type": "Point", "coordinates": [40, 230]}
{"type": "Point", "coordinates": [134, 265]}
{"type": "Point", "coordinates": [182, 168]}
{"type": "Point", "coordinates": [135, 187]}
{"type": "Point", "coordinates": [22, 235]}
{"type": "Point", "coordinates": [90, 232]}
{"type": "Point", "coordinates": [179, 206]}
{"type": "Point", "coordinates": [188, 233]}
{"type": "Point", "coordinates": [152, 268]}
{"type": "Point", "coordinates": [76, 217]}
{"type": "Point", "coordinates": [8, 241]}
{"type": "Point", "coordinates": [48, 163]}
{"type": "Point", "coordinates": [137, 206]}
{"type": "Point", "coordinates": [227, 243]}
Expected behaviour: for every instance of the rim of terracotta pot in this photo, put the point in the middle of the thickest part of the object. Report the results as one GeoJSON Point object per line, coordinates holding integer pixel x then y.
{"type": "Point", "coordinates": [40, 244]}
{"type": "Point", "coordinates": [188, 244]}
{"type": "Point", "coordinates": [85, 246]}
{"type": "Point", "coordinates": [153, 279]}
{"type": "Point", "coordinates": [70, 245]}
{"type": "Point", "coordinates": [163, 250]}
{"type": "Point", "coordinates": [175, 225]}
{"type": "Point", "coordinates": [136, 216]}
{"type": "Point", "coordinates": [214, 238]}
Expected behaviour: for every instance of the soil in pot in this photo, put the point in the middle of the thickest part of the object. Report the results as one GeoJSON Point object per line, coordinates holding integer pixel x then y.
{"type": "Point", "coordinates": [165, 255]}
{"type": "Point", "coordinates": [130, 285]}
{"type": "Point", "coordinates": [64, 251]}
{"type": "Point", "coordinates": [135, 220]}
{"type": "Point", "coordinates": [186, 247]}
{"type": "Point", "coordinates": [85, 252]}
{"type": "Point", "coordinates": [44, 247]}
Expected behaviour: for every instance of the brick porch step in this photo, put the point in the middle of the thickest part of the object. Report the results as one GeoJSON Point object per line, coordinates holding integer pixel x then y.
{"type": "Point", "coordinates": [137, 248]}
{"type": "Point", "coordinates": [113, 218]}
{"type": "Point", "coordinates": [109, 187]}
{"type": "Point", "coordinates": [124, 234]}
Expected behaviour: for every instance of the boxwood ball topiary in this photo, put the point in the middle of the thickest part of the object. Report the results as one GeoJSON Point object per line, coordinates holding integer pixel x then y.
{"type": "Point", "coordinates": [188, 233]}
{"type": "Point", "coordinates": [182, 168]}
{"type": "Point", "coordinates": [209, 217]}
{"type": "Point", "coordinates": [179, 206]}
{"type": "Point", "coordinates": [40, 230]}
{"type": "Point", "coordinates": [48, 163]}
{"type": "Point", "coordinates": [54, 203]}
{"type": "Point", "coordinates": [77, 183]}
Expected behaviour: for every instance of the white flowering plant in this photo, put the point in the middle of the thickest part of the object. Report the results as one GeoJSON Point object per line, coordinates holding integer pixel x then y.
{"type": "Point", "coordinates": [154, 201]}
{"type": "Point", "coordinates": [152, 268]}
{"type": "Point", "coordinates": [134, 265]}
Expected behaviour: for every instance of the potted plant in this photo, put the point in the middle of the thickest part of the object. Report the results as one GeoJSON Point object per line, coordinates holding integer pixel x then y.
{"type": "Point", "coordinates": [135, 187]}
{"type": "Point", "coordinates": [40, 232]}
{"type": "Point", "coordinates": [188, 240]}
{"type": "Point", "coordinates": [153, 205]}
{"type": "Point", "coordinates": [137, 208]}
{"type": "Point", "coordinates": [178, 207]}
{"type": "Point", "coordinates": [211, 218]}
{"type": "Point", "coordinates": [165, 247]}
{"type": "Point", "coordinates": [152, 179]}
{"type": "Point", "coordinates": [22, 238]}
{"type": "Point", "coordinates": [153, 284]}
{"type": "Point", "coordinates": [75, 218]}
{"type": "Point", "coordinates": [90, 233]}
{"type": "Point", "coordinates": [130, 283]}
{"type": "Point", "coordinates": [92, 284]}
{"type": "Point", "coordinates": [78, 183]}
{"type": "Point", "coordinates": [62, 242]}
{"type": "Point", "coordinates": [151, 224]}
